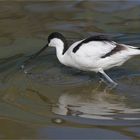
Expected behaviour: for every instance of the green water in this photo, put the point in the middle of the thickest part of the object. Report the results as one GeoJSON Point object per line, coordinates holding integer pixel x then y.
{"type": "Point", "coordinates": [57, 102]}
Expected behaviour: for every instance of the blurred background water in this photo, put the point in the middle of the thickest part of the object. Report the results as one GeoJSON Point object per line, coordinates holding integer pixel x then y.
{"type": "Point", "coordinates": [56, 102]}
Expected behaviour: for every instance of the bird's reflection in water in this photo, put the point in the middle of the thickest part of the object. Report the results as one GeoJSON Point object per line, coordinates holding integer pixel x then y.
{"type": "Point", "coordinates": [96, 104]}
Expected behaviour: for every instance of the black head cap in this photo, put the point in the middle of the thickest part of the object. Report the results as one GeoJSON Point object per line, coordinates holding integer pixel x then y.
{"type": "Point", "coordinates": [56, 35]}
{"type": "Point", "coordinates": [59, 36]}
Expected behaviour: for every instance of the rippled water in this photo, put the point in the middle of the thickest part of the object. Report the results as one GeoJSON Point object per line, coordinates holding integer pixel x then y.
{"type": "Point", "coordinates": [53, 101]}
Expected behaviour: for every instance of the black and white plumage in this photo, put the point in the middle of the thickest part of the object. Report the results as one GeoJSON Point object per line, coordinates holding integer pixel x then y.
{"type": "Point", "coordinates": [96, 53]}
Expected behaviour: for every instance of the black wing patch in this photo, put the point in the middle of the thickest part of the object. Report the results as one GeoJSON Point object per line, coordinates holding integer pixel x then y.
{"type": "Point", "coordinates": [92, 38]}
{"type": "Point", "coordinates": [118, 48]}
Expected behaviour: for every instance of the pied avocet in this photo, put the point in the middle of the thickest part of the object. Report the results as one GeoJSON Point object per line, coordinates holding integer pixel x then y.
{"type": "Point", "coordinates": [95, 53]}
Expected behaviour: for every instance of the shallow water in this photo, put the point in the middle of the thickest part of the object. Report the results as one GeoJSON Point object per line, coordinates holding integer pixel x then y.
{"type": "Point", "coordinates": [56, 102]}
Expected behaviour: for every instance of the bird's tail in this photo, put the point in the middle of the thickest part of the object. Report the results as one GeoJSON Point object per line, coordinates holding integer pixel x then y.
{"type": "Point", "coordinates": [133, 50]}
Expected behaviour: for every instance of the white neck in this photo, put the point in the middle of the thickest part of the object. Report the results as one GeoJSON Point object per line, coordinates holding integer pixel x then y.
{"type": "Point", "coordinates": [59, 45]}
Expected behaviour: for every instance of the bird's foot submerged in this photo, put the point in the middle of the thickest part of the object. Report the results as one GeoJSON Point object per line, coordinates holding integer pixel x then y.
{"type": "Point", "coordinates": [112, 85]}
{"type": "Point", "coordinates": [105, 85]}
{"type": "Point", "coordinates": [108, 81]}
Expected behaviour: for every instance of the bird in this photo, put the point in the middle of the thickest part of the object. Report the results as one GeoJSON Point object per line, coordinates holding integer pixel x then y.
{"type": "Point", "coordinates": [95, 53]}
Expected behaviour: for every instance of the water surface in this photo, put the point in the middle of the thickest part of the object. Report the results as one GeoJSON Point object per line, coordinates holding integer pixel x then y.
{"type": "Point", "coordinates": [56, 102]}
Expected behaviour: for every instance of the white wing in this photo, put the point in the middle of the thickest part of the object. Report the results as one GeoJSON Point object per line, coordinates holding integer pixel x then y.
{"type": "Point", "coordinates": [95, 49]}
{"type": "Point", "coordinates": [88, 53]}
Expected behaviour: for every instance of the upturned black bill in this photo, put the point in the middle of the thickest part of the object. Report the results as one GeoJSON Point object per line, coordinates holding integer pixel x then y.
{"type": "Point", "coordinates": [33, 56]}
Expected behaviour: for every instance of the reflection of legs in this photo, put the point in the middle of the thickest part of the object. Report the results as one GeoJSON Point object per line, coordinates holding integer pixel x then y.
{"type": "Point", "coordinates": [108, 78]}
{"type": "Point", "coordinates": [100, 83]}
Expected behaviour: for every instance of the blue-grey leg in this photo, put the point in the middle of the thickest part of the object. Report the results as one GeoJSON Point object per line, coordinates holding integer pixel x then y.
{"type": "Point", "coordinates": [114, 84]}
